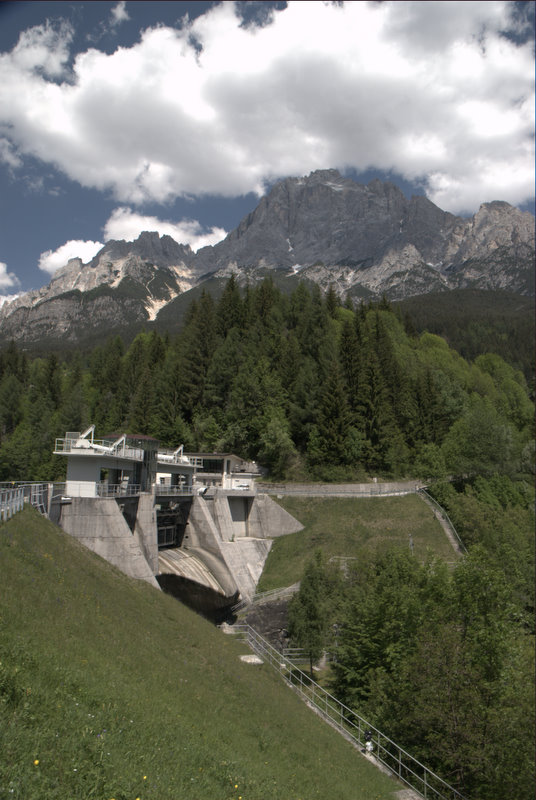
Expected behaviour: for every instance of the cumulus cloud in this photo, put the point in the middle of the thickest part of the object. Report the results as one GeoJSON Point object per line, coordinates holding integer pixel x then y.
{"type": "Point", "coordinates": [51, 260]}
{"type": "Point", "coordinates": [43, 49]}
{"type": "Point", "coordinates": [432, 91]}
{"type": "Point", "coordinates": [8, 280]}
{"type": "Point", "coordinates": [127, 224]}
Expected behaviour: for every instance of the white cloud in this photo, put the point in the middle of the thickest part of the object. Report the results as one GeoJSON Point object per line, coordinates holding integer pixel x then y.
{"type": "Point", "coordinates": [127, 224]}
{"type": "Point", "coordinates": [8, 280]}
{"type": "Point", "coordinates": [51, 260]}
{"type": "Point", "coordinates": [431, 91]}
{"type": "Point", "coordinates": [119, 13]}
{"type": "Point", "coordinates": [8, 155]}
{"type": "Point", "coordinates": [43, 49]}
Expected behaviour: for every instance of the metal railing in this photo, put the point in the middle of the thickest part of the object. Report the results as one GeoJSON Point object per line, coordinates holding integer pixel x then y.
{"type": "Point", "coordinates": [98, 447]}
{"type": "Point", "coordinates": [14, 495]}
{"type": "Point", "coordinates": [11, 501]}
{"type": "Point", "coordinates": [117, 489]}
{"type": "Point", "coordinates": [174, 457]}
{"type": "Point", "coordinates": [167, 489]}
{"type": "Point", "coordinates": [338, 490]}
{"type": "Point", "coordinates": [270, 594]}
{"type": "Point", "coordinates": [351, 725]}
{"type": "Point", "coordinates": [439, 508]}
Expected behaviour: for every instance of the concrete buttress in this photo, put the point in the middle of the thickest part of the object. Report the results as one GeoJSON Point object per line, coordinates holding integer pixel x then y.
{"type": "Point", "coordinates": [99, 524]}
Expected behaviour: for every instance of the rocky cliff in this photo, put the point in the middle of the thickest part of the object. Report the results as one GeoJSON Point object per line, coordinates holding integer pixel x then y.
{"type": "Point", "coordinates": [364, 239]}
{"type": "Point", "coordinates": [372, 239]}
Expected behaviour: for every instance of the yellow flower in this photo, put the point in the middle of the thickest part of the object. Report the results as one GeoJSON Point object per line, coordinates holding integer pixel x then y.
{"type": "Point", "coordinates": [36, 762]}
{"type": "Point", "coordinates": [145, 777]}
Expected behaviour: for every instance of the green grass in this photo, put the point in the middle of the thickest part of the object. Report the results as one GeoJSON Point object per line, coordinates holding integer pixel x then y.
{"type": "Point", "coordinates": [349, 527]}
{"type": "Point", "coordinates": [111, 689]}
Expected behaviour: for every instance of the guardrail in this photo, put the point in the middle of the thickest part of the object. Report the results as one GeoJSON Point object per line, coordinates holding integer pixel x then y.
{"type": "Point", "coordinates": [439, 508]}
{"type": "Point", "coordinates": [117, 489]}
{"type": "Point", "coordinates": [351, 725]}
{"type": "Point", "coordinates": [98, 447]}
{"type": "Point", "coordinates": [11, 501]}
{"type": "Point", "coordinates": [339, 490]}
{"type": "Point", "coordinates": [14, 495]}
{"type": "Point", "coordinates": [173, 457]}
{"type": "Point", "coordinates": [180, 491]}
{"type": "Point", "coordinates": [285, 591]}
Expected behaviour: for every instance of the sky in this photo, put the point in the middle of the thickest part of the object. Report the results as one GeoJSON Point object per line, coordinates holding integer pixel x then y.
{"type": "Point", "coordinates": [119, 117]}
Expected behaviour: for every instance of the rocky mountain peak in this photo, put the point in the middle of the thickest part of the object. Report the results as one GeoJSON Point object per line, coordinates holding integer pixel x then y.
{"type": "Point", "coordinates": [363, 238]}
{"type": "Point", "coordinates": [149, 246]}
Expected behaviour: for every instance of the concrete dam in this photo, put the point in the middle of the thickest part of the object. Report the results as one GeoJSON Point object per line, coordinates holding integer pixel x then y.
{"type": "Point", "coordinates": [200, 534]}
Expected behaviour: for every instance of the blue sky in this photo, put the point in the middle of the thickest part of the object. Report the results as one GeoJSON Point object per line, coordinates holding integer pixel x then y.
{"type": "Point", "coordinates": [173, 116]}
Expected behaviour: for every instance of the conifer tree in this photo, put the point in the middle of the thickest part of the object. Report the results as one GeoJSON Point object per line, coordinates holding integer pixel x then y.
{"type": "Point", "coordinates": [349, 357]}
{"type": "Point", "coordinates": [328, 443]}
{"type": "Point", "coordinates": [230, 311]}
{"type": "Point", "coordinates": [308, 611]}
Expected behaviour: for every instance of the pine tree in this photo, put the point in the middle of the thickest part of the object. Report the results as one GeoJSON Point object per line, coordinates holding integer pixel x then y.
{"type": "Point", "coordinates": [329, 439]}
{"type": "Point", "coordinates": [349, 357]}
{"type": "Point", "coordinates": [230, 311]}
{"type": "Point", "coordinates": [308, 611]}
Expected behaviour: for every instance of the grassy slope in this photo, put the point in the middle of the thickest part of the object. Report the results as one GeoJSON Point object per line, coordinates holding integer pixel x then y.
{"type": "Point", "coordinates": [347, 527]}
{"type": "Point", "coordinates": [118, 691]}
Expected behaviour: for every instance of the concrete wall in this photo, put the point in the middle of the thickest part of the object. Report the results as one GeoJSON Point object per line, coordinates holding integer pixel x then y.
{"type": "Point", "coordinates": [255, 516]}
{"type": "Point", "coordinates": [245, 561]}
{"type": "Point", "coordinates": [99, 524]}
{"type": "Point", "coordinates": [146, 532]}
{"type": "Point", "coordinates": [240, 507]}
{"type": "Point", "coordinates": [232, 534]}
{"type": "Point", "coordinates": [221, 514]}
{"type": "Point", "coordinates": [204, 538]}
{"type": "Point", "coordinates": [237, 531]}
{"type": "Point", "coordinates": [272, 520]}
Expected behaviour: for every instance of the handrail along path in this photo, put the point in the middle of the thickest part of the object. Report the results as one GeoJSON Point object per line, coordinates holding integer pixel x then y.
{"type": "Point", "coordinates": [351, 725]}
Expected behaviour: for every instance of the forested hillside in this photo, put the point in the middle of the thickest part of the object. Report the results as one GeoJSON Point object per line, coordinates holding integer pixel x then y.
{"type": "Point", "coordinates": [305, 385]}
{"type": "Point", "coordinates": [475, 321]}
{"type": "Point", "coordinates": [440, 657]}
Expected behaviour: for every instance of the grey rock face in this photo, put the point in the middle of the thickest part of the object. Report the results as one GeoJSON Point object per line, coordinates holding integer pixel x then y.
{"type": "Point", "coordinates": [373, 239]}
{"type": "Point", "coordinates": [149, 246]}
{"type": "Point", "coordinates": [365, 239]}
{"type": "Point", "coordinates": [124, 284]}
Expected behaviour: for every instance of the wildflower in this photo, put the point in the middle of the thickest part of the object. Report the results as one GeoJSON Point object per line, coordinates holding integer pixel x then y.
{"type": "Point", "coordinates": [36, 762]}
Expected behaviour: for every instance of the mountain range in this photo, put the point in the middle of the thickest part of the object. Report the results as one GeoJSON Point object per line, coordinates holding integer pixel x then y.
{"type": "Point", "coordinates": [365, 240]}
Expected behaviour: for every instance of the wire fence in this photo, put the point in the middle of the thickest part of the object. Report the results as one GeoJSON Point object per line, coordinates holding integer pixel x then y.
{"type": "Point", "coordinates": [351, 725]}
